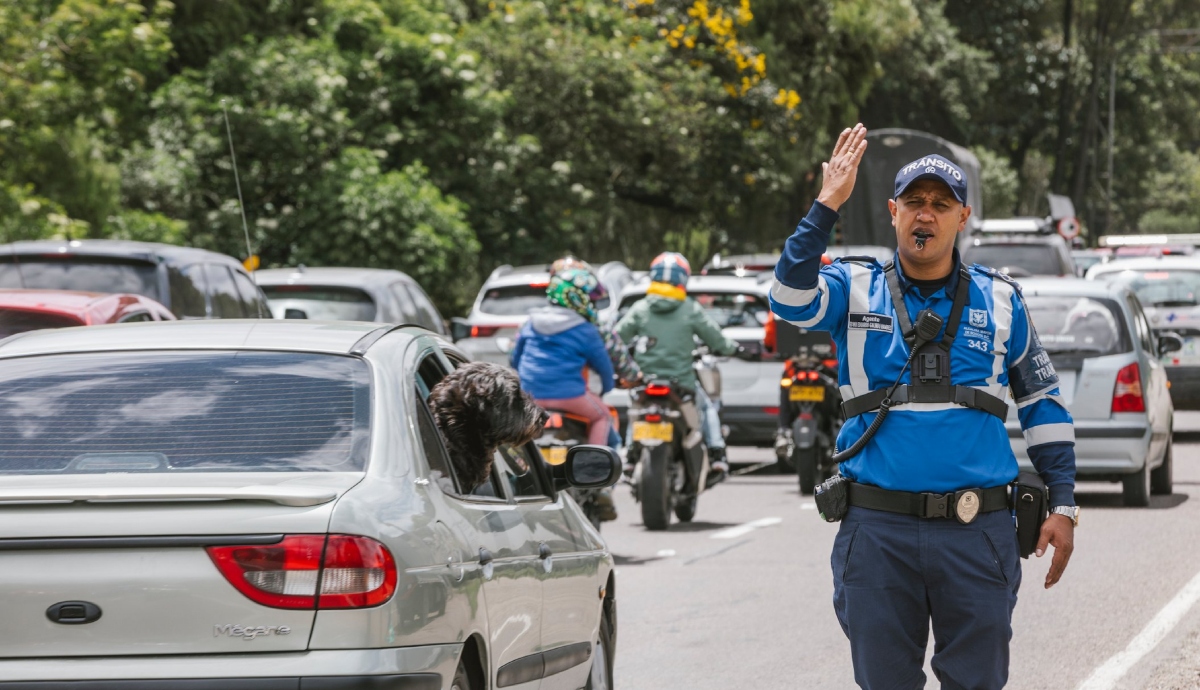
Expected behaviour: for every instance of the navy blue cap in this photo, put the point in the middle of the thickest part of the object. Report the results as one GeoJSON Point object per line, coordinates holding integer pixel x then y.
{"type": "Point", "coordinates": [933, 167]}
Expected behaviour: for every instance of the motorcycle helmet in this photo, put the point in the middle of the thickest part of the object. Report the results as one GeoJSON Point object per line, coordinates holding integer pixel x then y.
{"type": "Point", "coordinates": [671, 268]}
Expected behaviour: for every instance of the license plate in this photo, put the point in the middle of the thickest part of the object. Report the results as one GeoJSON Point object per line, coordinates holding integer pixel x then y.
{"type": "Point", "coordinates": [555, 455]}
{"type": "Point", "coordinates": [653, 431]}
{"type": "Point", "coordinates": [806, 393]}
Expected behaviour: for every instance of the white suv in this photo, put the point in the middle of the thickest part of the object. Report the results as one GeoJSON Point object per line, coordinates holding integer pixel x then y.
{"type": "Point", "coordinates": [504, 301]}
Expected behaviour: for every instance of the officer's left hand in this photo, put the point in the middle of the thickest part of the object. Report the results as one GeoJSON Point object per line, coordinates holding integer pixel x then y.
{"type": "Point", "coordinates": [1059, 531]}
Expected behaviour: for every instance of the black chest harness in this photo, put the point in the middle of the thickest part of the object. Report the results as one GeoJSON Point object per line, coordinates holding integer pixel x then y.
{"type": "Point", "coordinates": [931, 361]}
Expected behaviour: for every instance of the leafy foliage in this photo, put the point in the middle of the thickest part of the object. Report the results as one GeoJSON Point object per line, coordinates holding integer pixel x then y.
{"type": "Point", "coordinates": [443, 137]}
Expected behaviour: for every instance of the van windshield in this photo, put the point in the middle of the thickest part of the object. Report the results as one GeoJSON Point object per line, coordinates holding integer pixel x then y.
{"type": "Point", "coordinates": [1158, 287]}
{"type": "Point", "coordinates": [174, 412]}
{"type": "Point", "coordinates": [85, 273]}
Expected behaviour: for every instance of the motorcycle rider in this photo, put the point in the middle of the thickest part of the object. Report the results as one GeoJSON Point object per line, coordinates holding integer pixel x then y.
{"type": "Point", "coordinates": [552, 350]}
{"type": "Point", "coordinates": [662, 327]}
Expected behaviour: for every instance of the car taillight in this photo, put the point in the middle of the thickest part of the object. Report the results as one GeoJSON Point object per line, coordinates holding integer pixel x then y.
{"type": "Point", "coordinates": [309, 571]}
{"type": "Point", "coordinates": [483, 331]}
{"type": "Point", "coordinates": [1127, 393]}
{"type": "Point", "coordinates": [658, 390]}
{"type": "Point", "coordinates": [770, 410]}
{"type": "Point", "coordinates": [769, 333]}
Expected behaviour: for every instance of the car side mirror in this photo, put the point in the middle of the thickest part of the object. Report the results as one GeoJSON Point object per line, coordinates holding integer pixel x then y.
{"type": "Point", "coordinates": [290, 313]}
{"type": "Point", "coordinates": [459, 329]}
{"type": "Point", "coordinates": [1168, 343]}
{"type": "Point", "coordinates": [589, 467]}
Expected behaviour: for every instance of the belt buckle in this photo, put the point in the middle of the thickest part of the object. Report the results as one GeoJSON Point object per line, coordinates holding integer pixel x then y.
{"type": "Point", "coordinates": [937, 505]}
{"type": "Point", "coordinates": [967, 504]}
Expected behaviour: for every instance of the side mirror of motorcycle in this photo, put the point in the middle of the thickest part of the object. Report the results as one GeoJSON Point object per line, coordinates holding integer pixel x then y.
{"type": "Point", "coordinates": [588, 467]}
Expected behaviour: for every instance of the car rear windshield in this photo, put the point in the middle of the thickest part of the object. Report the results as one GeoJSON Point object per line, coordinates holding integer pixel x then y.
{"type": "Point", "coordinates": [1087, 326]}
{"type": "Point", "coordinates": [183, 412]}
{"type": "Point", "coordinates": [86, 273]}
{"type": "Point", "coordinates": [1017, 259]}
{"type": "Point", "coordinates": [518, 300]}
{"type": "Point", "coordinates": [1159, 288]}
{"type": "Point", "coordinates": [14, 321]}
{"type": "Point", "coordinates": [727, 309]}
{"type": "Point", "coordinates": [320, 302]}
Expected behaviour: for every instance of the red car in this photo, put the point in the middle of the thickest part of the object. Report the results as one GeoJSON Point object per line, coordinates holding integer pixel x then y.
{"type": "Point", "coordinates": [29, 310]}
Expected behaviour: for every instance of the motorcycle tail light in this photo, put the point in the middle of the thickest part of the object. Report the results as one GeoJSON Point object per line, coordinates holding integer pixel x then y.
{"type": "Point", "coordinates": [806, 415]}
{"type": "Point", "coordinates": [813, 376]}
{"type": "Point", "coordinates": [658, 390]}
{"type": "Point", "coordinates": [555, 421]}
{"type": "Point", "coordinates": [1127, 392]}
{"type": "Point", "coordinates": [830, 363]}
{"type": "Point", "coordinates": [653, 418]}
{"type": "Point", "coordinates": [310, 571]}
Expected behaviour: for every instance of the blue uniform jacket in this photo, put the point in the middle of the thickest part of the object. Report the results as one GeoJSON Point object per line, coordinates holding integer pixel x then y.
{"type": "Point", "coordinates": [936, 447]}
{"type": "Point", "coordinates": [551, 351]}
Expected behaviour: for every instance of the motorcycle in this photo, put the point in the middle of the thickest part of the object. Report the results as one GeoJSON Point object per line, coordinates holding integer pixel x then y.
{"type": "Point", "coordinates": [811, 409]}
{"type": "Point", "coordinates": [563, 431]}
{"type": "Point", "coordinates": [666, 445]}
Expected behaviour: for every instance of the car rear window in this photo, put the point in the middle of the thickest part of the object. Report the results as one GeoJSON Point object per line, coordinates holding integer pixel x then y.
{"type": "Point", "coordinates": [86, 273]}
{"type": "Point", "coordinates": [1017, 259]}
{"type": "Point", "coordinates": [14, 321]}
{"type": "Point", "coordinates": [183, 412]}
{"type": "Point", "coordinates": [1157, 287]}
{"type": "Point", "coordinates": [1085, 326]}
{"type": "Point", "coordinates": [320, 302]}
{"type": "Point", "coordinates": [727, 309]}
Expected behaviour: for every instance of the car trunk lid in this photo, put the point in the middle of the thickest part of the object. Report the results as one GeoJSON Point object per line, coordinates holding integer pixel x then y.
{"type": "Point", "coordinates": [130, 551]}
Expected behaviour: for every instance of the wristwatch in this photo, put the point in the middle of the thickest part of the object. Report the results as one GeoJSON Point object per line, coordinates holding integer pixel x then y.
{"type": "Point", "coordinates": [1070, 512]}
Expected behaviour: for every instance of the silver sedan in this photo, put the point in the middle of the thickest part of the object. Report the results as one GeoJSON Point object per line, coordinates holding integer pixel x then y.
{"type": "Point", "coordinates": [1111, 379]}
{"type": "Point", "coordinates": [258, 504]}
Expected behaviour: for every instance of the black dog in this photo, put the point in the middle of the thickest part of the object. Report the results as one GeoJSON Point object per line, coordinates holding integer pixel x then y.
{"type": "Point", "coordinates": [478, 408]}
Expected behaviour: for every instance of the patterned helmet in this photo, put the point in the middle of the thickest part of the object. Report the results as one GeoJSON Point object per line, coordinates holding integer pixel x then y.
{"type": "Point", "coordinates": [572, 288]}
{"type": "Point", "coordinates": [672, 268]}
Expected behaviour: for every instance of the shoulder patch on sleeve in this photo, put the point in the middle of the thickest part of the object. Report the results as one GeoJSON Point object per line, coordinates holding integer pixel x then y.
{"type": "Point", "coordinates": [989, 271]}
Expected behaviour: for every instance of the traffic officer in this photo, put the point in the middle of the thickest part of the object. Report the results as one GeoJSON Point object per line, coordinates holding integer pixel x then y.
{"type": "Point", "coordinates": [927, 550]}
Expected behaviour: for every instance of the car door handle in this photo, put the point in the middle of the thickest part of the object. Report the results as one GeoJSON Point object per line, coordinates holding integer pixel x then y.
{"type": "Point", "coordinates": [544, 551]}
{"type": "Point", "coordinates": [485, 556]}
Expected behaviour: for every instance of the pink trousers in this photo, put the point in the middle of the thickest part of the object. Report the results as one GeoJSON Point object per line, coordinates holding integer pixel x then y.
{"type": "Point", "coordinates": [589, 406]}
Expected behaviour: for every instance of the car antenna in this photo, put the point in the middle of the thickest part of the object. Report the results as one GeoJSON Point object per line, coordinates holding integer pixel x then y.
{"type": "Point", "coordinates": [241, 204]}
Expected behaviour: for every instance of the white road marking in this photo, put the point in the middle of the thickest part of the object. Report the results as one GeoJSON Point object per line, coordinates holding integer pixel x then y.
{"type": "Point", "coordinates": [665, 553]}
{"type": "Point", "coordinates": [735, 532]}
{"type": "Point", "coordinates": [1107, 676]}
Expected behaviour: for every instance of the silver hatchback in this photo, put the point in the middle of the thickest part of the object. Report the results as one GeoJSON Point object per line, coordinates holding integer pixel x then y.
{"type": "Point", "coordinates": [268, 504]}
{"type": "Point", "coordinates": [1107, 359]}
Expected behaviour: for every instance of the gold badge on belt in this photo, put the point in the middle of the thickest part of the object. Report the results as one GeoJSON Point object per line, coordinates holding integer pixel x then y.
{"type": "Point", "coordinates": [967, 506]}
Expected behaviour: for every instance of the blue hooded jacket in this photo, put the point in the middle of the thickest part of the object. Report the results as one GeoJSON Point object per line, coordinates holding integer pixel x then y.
{"type": "Point", "coordinates": [551, 351]}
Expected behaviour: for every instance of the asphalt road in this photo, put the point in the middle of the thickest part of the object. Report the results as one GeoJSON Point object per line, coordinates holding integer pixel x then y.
{"type": "Point", "coordinates": [741, 597]}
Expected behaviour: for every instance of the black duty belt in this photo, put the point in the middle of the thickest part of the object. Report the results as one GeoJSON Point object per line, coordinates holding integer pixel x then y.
{"type": "Point", "coordinates": [962, 505]}
{"type": "Point", "coordinates": [961, 395]}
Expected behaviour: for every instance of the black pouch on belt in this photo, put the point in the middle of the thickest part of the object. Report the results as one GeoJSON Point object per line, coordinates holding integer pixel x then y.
{"type": "Point", "coordinates": [833, 498]}
{"type": "Point", "coordinates": [1031, 503]}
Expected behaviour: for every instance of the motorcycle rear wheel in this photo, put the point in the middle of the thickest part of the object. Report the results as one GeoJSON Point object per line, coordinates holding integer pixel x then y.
{"type": "Point", "coordinates": [655, 488]}
{"type": "Point", "coordinates": [805, 460]}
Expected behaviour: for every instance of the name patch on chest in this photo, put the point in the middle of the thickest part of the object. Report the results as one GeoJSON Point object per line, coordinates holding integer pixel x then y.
{"type": "Point", "coordinates": [870, 322]}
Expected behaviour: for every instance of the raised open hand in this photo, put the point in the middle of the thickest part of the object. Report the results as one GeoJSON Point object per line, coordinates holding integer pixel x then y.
{"type": "Point", "coordinates": [842, 169]}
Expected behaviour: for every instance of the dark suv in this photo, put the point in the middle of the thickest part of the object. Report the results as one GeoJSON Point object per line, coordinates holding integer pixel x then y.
{"type": "Point", "coordinates": [192, 283]}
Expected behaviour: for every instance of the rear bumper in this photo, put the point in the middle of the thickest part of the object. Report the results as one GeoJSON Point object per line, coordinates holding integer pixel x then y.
{"type": "Point", "coordinates": [1101, 449]}
{"type": "Point", "coordinates": [397, 668]}
{"type": "Point", "coordinates": [1185, 387]}
{"type": "Point", "coordinates": [420, 681]}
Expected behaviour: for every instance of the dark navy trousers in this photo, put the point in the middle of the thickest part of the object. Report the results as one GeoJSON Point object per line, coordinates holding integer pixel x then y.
{"type": "Point", "coordinates": [895, 574]}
